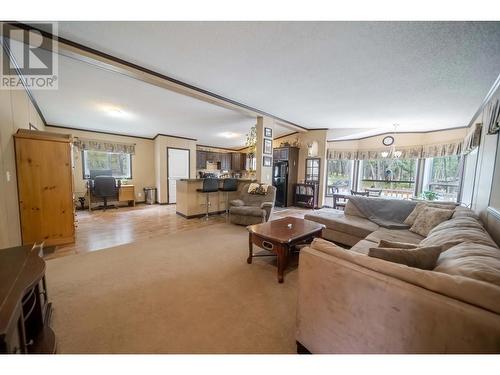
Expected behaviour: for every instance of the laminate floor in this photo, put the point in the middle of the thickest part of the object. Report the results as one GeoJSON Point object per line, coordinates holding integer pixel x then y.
{"type": "Point", "coordinates": [98, 230]}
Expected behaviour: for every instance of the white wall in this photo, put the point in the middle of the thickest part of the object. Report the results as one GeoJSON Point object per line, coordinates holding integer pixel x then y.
{"type": "Point", "coordinates": [16, 111]}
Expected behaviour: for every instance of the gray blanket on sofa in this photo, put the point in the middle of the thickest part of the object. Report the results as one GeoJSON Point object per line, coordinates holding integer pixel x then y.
{"type": "Point", "coordinates": [386, 212]}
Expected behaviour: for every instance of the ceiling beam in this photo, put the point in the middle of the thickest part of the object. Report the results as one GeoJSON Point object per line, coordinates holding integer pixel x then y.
{"type": "Point", "coordinates": [114, 64]}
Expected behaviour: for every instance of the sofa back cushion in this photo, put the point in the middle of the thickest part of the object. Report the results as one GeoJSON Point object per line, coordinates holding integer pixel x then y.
{"type": "Point", "coordinates": [464, 212]}
{"type": "Point", "coordinates": [351, 209]}
{"type": "Point", "coordinates": [455, 231]}
{"type": "Point", "coordinates": [423, 257]}
{"type": "Point", "coordinates": [476, 261]}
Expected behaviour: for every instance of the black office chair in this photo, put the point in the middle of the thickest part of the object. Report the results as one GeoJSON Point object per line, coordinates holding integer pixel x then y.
{"type": "Point", "coordinates": [210, 185]}
{"type": "Point", "coordinates": [105, 187]}
{"type": "Point", "coordinates": [228, 184]}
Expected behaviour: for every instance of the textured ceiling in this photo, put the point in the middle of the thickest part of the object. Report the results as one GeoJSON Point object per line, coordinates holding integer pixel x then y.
{"type": "Point", "coordinates": [420, 75]}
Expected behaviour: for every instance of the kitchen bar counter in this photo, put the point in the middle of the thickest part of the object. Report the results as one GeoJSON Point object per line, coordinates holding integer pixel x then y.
{"type": "Point", "coordinates": [191, 203]}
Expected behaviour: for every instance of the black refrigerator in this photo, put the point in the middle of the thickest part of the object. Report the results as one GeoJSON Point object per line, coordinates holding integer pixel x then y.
{"type": "Point", "coordinates": [280, 182]}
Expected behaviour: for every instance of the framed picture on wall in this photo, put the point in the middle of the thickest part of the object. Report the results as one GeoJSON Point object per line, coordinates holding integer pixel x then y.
{"type": "Point", "coordinates": [268, 132]}
{"type": "Point", "coordinates": [267, 161]}
{"type": "Point", "coordinates": [268, 146]}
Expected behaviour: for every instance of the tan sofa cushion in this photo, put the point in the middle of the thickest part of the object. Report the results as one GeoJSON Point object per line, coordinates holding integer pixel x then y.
{"type": "Point", "coordinates": [395, 235]}
{"type": "Point", "coordinates": [428, 218]}
{"type": "Point", "coordinates": [421, 205]}
{"type": "Point", "coordinates": [247, 211]}
{"type": "Point", "coordinates": [464, 212]}
{"type": "Point", "coordinates": [477, 261]}
{"type": "Point", "coordinates": [363, 247]}
{"type": "Point", "coordinates": [397, 245]}
{"type": "Point", "coordinates": [354, 225]}
{"type": "Point", "coordinates": [457, 223]}
{"type": "Point", "coordinates": [457, 234]}
{"type": "Point", "coordinates": [340, 237]}
{"type": "Point", "coordinates": [465, 289]}
{"type": "Point", "coordinates": [423, 258]}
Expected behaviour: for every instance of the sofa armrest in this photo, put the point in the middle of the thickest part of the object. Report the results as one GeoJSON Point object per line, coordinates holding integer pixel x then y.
{"type": "Point", "coordinates": [236, 203]}
{"type": "Point", "coordinates": [344, 307]}
{"type": "Point", "coordinates": [267, 206]}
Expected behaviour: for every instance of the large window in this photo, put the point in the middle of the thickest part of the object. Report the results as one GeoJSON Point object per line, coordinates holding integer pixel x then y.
{"type": "Point", "coordinates": [339, 174]}
{"type": "Point", "coordinates": [442, 176]}
{"type": "Point", "coordinates": [395, 177]}
{"type": "Point", "coordinates": [108, 163]}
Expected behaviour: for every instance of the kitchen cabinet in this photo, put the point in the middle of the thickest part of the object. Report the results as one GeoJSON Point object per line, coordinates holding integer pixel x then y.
{"type": "Point", "coordinates": [238, 161]}
{"type": "Point", "coordinates": [201, 159]}
{"type": "Point", "coordinates": [225, 160]}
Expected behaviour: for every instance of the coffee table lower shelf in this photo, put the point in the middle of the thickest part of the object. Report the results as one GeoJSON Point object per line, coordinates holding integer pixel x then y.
{"type": "Point", "coordinates": [279, 249]}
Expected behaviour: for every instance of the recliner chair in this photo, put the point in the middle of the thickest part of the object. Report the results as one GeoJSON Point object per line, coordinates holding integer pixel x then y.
{"type": "Point", "coordinates": [252, 208]}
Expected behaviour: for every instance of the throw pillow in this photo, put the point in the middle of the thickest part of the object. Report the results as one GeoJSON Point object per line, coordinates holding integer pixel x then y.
{"type": "Point", "coordinates": [428, 218]}
{"type": "Point", "coordinates": [424, 258]}
{"type": "Point", "coordinates": [410, 220]}
{"type": "Point", "coordinates": [396, 245]}
{"type": "Point", "coordinates": [258, 189]}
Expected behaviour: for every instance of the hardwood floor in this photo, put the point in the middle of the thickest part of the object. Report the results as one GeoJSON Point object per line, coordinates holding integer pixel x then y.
{"type": "Point", "coordinates": [98, 230]}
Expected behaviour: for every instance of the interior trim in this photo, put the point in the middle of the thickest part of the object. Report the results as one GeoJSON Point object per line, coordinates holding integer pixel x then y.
{"type": "Point", "coordinates": [140, 68]}
{"type": "Point", "coordinates": [391, 133]}
{"type": "Point", "coordinates": [123, 135]}
{"type": "Point", "coordinates": [26, 88]}
{"type": "Point", "coordinates": [494, 87]}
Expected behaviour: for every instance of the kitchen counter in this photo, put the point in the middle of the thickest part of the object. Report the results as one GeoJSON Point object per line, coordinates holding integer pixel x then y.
{"type": "Point", "coordinates": [191, 203]}
{"type": "Point", "coordinates": [220, 179]}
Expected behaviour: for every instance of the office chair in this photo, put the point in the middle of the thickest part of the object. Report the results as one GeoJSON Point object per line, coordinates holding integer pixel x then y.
{"type": "Point", "coordinates": [210, 185]}
{"type": "Point", "coordinates": [105, 187]}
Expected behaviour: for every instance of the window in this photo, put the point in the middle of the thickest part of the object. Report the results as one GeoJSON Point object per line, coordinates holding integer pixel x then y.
{"type": "Point", "coordinates": [395, 177]}
{"type": "Point", "coordinates": [108, 163]}
{"type": "Point", "coordinates": [339, 175]}
{"type": "Point", "coordinates": [442, 176]}
{"type": "Point", "coordinates": [312, 169]}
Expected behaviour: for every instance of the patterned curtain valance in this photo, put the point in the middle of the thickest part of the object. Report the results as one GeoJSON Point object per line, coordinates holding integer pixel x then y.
{"type": "Point", "coordinates": [492, 113]}
{"type": "Point", "coordinates": [106, 146]}
{"type": "Point", "coordinates": [442, 149]}
{"type": "Point", "coordinates": [407, 152]}
{"type": "Point", "coordinates": [472, 139]}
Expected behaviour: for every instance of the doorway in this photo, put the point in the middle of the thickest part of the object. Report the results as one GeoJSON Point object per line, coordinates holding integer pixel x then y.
{"type": "Point", "coordinates": [177, 167]}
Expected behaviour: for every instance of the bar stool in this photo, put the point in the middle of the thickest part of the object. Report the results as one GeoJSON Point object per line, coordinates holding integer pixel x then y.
{"type": "Point", "coordinates": [210, 185]}
{"type": "Point", "coordinates": [228, 184]}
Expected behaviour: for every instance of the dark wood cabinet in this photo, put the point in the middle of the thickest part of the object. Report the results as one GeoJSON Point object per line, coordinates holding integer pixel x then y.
{"type": "Point", "coordinates": [238, 161]}
{"type": "Point", "coordinates": [229, 161]}
{"type": "Point", "coordinates": [225, 161]}
{"type": "Point", "coordinates": [24, 307]}
{"type": "Point", "coordinates": [201, 159]}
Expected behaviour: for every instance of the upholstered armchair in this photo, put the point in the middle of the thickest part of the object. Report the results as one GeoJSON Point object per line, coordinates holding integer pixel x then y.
{"type": "Point", "coordinates": [252, 208]}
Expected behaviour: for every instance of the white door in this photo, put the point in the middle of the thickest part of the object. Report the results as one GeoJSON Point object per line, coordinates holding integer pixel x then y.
{"type": "Point", "coordinates": [177, 168]}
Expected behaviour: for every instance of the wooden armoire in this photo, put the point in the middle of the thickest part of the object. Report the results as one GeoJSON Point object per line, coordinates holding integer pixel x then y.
{"type": "Point", "coordinates": [45, 187]}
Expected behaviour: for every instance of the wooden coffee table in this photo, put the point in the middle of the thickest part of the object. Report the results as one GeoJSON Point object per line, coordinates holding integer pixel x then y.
{"type": "Point", "coordinates": [280, 237]}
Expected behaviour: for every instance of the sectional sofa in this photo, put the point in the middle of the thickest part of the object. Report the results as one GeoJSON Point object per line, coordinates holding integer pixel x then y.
{"type": "Point", "coordinates": [350, 302]}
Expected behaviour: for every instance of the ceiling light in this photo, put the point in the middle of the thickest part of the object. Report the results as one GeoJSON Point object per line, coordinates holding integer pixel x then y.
{"type": "Point", "coordinates": [114, 111]}
{"type": "Point", "coordinates": [229, 135]}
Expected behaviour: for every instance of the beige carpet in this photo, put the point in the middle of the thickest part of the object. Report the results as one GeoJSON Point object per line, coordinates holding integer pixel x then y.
{"type": "Point", "coordinates": [190, 292]}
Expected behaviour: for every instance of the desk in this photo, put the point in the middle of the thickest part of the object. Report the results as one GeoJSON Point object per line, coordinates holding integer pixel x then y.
{"type": "Point", "coordinates": [126, 193]}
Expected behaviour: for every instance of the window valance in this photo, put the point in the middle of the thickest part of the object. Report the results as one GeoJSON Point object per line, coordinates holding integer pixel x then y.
{"type": "Point", "coordinates": [472, 139]}
{"type": "Point", "coordinates": [456, 147]}
{"type": "Point", "coordinates": [105, 146]}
